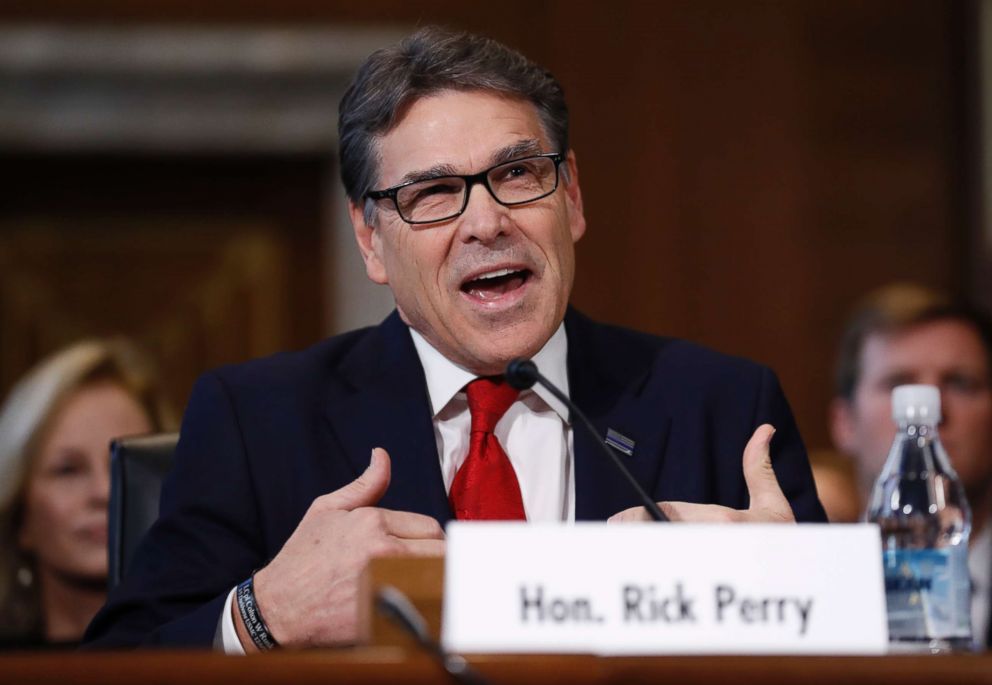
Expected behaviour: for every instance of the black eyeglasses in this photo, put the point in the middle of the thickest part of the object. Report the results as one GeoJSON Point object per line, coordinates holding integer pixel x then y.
{"type": "Point", "coordinates": [441, 198]}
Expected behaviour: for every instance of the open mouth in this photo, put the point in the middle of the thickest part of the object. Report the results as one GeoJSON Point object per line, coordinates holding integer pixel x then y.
{"type": "Point", "coordinates": [495, 284]}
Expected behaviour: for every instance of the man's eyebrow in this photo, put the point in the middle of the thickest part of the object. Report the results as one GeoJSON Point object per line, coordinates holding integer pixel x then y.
{"type": "Point", "coordinates": [523, 148]}
{"type": "Point", "coordinates": [429, 173]}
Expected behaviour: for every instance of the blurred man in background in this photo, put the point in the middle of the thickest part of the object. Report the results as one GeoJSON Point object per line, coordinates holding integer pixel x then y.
{"type": "Point", "coordinates": [908, 334]}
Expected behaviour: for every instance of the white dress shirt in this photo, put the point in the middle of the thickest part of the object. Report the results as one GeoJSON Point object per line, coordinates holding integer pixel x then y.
{"type": "Point", "coordinates": [534, 433]}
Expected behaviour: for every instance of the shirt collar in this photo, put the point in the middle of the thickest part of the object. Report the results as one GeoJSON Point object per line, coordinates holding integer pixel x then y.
{"type": "Point", "coordinates": [445, 379]}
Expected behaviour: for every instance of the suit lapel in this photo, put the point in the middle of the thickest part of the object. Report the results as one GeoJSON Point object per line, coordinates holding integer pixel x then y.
{"type": "Point", "coordinates": [387, 406]}
{"type": "Point", "coordinates": [604, 382]}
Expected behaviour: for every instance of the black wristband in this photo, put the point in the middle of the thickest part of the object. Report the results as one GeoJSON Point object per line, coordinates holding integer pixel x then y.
{"type": "Point", "coordinates": [252, 617]}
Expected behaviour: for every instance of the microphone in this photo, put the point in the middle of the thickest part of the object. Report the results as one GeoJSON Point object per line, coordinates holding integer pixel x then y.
{"type": "Point", "coordinates": [522, 374]}
{"type": "Point", "coordinates": [400, 610]}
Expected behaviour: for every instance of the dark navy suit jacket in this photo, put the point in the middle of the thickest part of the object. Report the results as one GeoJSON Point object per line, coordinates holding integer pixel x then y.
{"type": "Point", "coordinates": [262, 440]}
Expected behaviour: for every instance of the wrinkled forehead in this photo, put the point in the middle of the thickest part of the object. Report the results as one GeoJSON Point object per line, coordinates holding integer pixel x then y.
{"type": "Point", "coordinates": [458, 131]}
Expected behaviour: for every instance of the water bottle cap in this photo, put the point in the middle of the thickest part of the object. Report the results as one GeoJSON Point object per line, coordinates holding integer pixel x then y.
{"type": "Point", "coordinates": [916, 404]}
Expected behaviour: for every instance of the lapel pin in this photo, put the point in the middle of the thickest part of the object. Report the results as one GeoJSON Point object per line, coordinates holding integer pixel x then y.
{"type": "Point", "coordinates": [620, 442]}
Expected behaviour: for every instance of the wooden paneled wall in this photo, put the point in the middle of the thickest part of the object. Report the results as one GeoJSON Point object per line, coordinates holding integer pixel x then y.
{"type": "Point", "coordinates": [749, 168]}
{"type": "Point", "coordinates": [203, 261]}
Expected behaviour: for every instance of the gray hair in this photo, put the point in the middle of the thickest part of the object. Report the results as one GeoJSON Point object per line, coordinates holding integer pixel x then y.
{"type": "Point", "coordinates": [25, 417]}
{"type": "Point", "coordinates": [425, 63]}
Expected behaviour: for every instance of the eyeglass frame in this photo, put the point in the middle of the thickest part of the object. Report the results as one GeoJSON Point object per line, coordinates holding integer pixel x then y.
{"type": "Point", "coordinates": [470, 180]}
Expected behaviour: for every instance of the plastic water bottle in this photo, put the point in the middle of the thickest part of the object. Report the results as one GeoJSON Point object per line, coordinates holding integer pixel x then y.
{"type": "Point", "coordinates": [925, 520]}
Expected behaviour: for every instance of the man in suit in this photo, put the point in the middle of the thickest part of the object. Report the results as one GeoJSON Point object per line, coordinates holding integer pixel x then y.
{"type": "Point", "coordinates": [901, 334]}
{"type": "Point", "coordinates": [293, 471]}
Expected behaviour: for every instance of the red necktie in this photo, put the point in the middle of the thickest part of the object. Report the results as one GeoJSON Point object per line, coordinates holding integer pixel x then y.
{"type": "Point", "coordinates": [486, 487]}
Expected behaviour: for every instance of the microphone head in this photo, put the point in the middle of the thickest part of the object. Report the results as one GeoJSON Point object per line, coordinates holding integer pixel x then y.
{"type": "Point", "coordinates": [521, 373]}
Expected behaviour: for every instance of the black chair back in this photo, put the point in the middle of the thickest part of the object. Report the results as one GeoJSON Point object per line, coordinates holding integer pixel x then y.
{"type": "Point", "coordinates": [137, 468]}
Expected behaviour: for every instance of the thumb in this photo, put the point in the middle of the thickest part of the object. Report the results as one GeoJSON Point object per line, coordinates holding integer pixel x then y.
{"type": "Point", "coordinates": [762, 485]}
{"type": "Point", "coordinates": [367, 489]}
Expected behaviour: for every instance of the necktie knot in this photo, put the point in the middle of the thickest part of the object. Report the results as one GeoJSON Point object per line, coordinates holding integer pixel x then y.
{"type": "Point", "coordinates": [488, 400]}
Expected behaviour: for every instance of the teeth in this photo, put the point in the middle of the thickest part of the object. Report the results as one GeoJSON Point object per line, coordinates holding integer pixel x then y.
{"type": "Point", "coordinates": [495, 274]}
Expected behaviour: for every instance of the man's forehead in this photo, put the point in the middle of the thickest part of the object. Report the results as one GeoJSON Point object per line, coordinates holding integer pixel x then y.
{"type": "Point", "coordinates": [460, 130]}
{"type": "Point", "coordinates": [936, 347]}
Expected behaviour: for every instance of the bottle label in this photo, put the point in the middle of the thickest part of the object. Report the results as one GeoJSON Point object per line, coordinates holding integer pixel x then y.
{"type": "Point", "coordinates": [928, 593]}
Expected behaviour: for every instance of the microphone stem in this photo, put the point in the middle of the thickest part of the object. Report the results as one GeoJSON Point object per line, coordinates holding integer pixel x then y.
{"type": "Point", "coordinates": [653, 509]}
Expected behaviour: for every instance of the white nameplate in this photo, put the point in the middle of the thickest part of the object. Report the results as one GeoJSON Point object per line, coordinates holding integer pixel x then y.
{"type": "Point", "coordinates": [663, 589]}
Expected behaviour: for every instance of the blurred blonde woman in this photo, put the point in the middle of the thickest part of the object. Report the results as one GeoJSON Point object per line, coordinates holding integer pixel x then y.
{"type": "Point", "coordinates": [55, 429]}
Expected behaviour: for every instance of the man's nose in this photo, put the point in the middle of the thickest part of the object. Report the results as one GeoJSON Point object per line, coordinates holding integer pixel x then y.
{"type": "Point", "coordinates": [484, 219]}
{"type": "Point", "coordinates": [947, 410]}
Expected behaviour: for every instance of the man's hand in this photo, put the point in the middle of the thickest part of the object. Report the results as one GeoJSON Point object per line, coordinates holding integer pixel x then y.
{"type": "Point", "coordinates": [768, 504]}
{"type": "Point", "coordinates": [308, 593]}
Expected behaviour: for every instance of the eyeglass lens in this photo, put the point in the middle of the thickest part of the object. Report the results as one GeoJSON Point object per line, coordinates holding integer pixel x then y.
{"type": "Point", "coordinates": [515, 182]}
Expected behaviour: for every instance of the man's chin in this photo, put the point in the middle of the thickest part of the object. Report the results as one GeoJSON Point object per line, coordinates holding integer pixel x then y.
{"type": "Point", "coordinates": [486, 344]}
{"type": "Point", "coordinates": [491, 360]}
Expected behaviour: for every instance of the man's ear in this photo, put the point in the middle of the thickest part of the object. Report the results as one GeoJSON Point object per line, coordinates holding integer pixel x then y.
{"type": "Point", "coordinates": [842, 430]}
{"type": "Point", "coordinates": [369, 244]}
{"type": "Point", "coordinates": [570, 181]}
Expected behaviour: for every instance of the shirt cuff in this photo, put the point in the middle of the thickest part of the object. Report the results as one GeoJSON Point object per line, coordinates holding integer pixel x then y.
{"type": "Point", "coordinates": [226, 638]}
